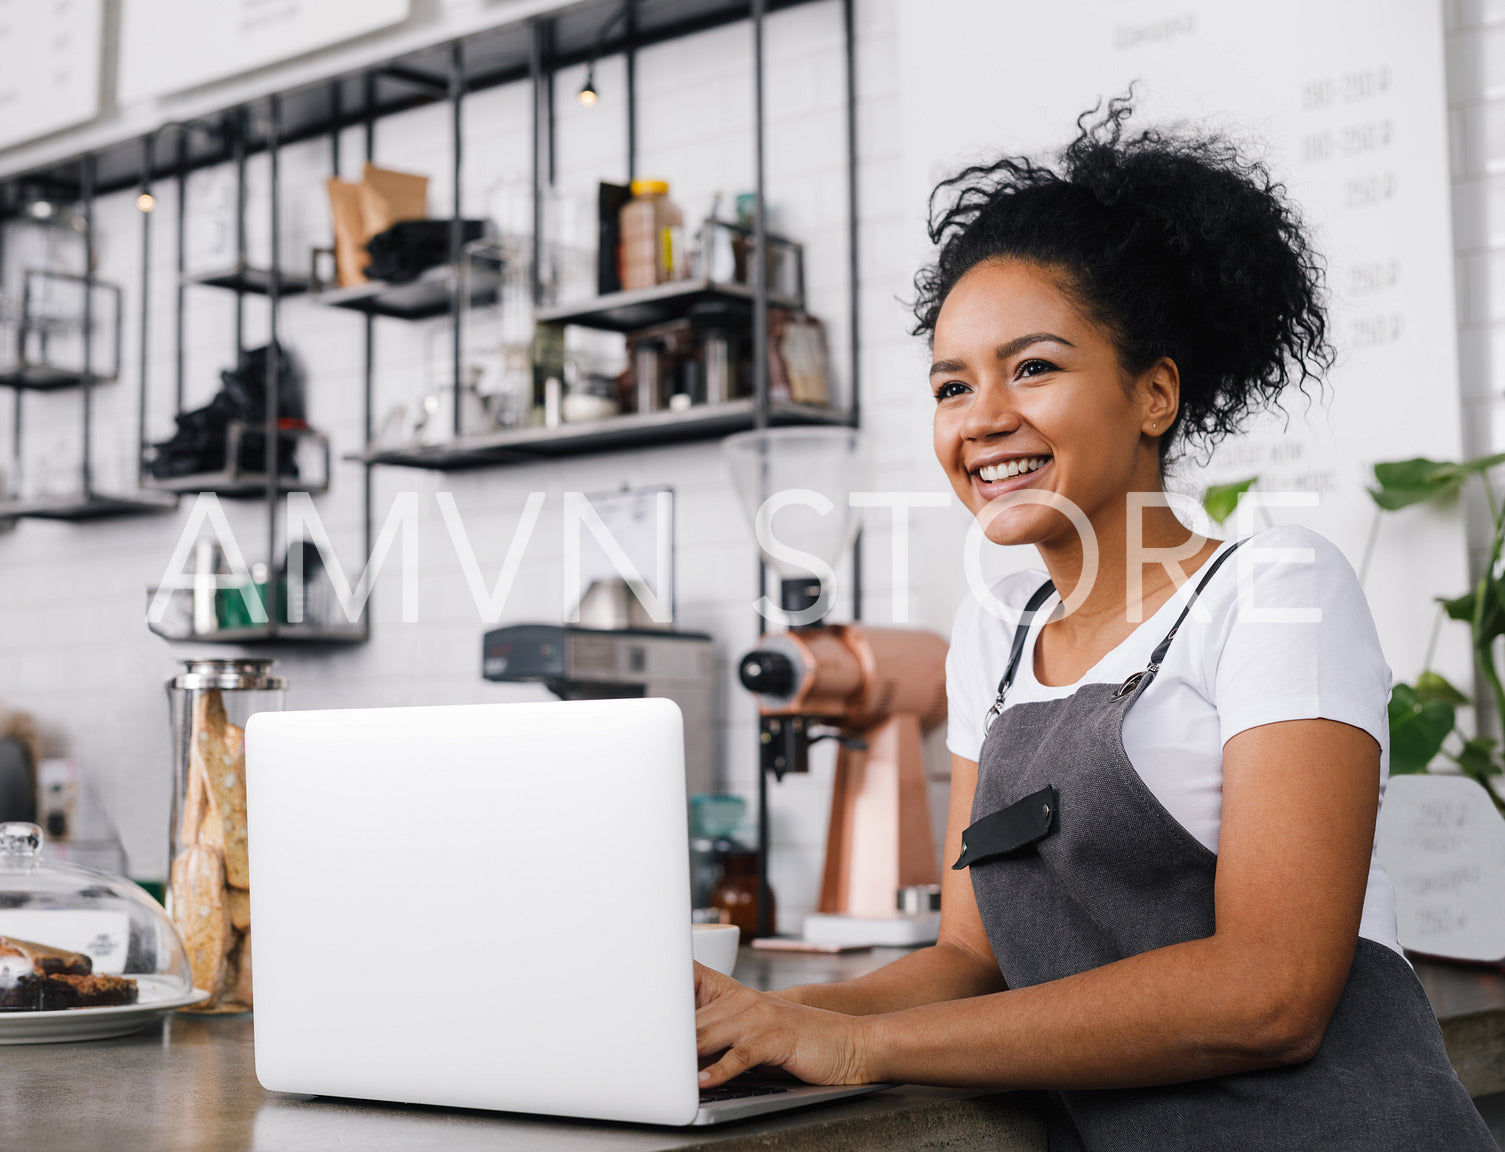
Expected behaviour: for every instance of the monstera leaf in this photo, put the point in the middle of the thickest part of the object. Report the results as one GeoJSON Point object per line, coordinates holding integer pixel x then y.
{"type": "Point", "coordinates": [1417, 729]}
{"type": "Point", "coordinates": [1406, 482]}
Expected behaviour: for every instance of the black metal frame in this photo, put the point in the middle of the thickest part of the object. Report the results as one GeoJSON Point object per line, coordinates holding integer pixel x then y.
{"type": "Point", "coordinates": [88, 503]}
{"type": "Point", "coordinates": [493, 57]}
{"type": "Point", "coordinates": [532, 50]}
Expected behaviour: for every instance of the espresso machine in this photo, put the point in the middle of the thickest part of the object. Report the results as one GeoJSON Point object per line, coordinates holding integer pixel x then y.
{"type": "Point", "coordinates": [581, 663]}
{"type": "Point", "coordinates": [875, 691]}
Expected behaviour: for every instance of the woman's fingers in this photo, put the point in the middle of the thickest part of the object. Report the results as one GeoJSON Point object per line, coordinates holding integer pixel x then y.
{"type": "Point", "coordinates": [737, 1029]}
{"type": "Point", "coordinates": [733, 1062]}
{"type": "Point", "coordinates": [711, 985]}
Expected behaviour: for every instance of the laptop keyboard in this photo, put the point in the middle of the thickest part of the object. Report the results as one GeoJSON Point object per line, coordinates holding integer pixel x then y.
{"type": "Point", "coordinates": [737, 1092]}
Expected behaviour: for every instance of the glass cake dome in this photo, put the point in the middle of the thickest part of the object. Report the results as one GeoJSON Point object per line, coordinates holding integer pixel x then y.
{"type": "Point", "coordinates": [73, 937]}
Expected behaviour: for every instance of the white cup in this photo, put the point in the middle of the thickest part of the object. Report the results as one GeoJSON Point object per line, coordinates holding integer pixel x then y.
{"type": "Point", "coordinates": [715, 946]}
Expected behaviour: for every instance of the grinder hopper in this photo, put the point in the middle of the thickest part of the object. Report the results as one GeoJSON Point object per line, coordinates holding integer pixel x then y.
{"type": "Point", "coordinates": [802, 478]}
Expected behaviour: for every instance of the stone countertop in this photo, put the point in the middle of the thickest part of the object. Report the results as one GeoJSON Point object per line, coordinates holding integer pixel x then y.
{"type": "Point", "coordinates": [187, 1084]}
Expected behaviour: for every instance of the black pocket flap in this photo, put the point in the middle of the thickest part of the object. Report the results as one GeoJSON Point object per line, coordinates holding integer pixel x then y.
{"type": "Point", "coordinates": [1009, 829]}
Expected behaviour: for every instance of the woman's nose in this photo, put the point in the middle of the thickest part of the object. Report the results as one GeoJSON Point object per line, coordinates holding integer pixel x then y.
{"type": "Point", "coordinates": [991, 413]}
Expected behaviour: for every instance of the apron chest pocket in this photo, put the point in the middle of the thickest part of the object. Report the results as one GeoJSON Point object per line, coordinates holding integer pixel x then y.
{"type": "Point", "coordinates": [1021, 824]}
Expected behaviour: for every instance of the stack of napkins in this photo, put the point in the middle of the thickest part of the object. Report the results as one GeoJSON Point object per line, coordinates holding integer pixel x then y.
{"type": "Point", "coordinates": [894, 930]}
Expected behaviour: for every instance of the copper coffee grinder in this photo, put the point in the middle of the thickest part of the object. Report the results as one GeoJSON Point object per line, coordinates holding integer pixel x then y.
{"type": "Point", "coordinates": [874, 690]}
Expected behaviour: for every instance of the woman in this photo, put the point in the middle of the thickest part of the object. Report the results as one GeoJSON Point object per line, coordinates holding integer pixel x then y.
{"type": "Point", "coordinates": [1164, 907]}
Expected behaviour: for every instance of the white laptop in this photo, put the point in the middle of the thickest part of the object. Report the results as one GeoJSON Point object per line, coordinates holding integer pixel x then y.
{"type": "Point", "coordinates": [484, 906]}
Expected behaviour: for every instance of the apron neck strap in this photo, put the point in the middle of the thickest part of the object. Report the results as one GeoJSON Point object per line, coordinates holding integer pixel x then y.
{"type": "Point", "coordinates": [1042, 593]}
{"type": "Point", "coordinates": [1021, 634]}
{"type": "Point", "coordinates": [1158, 656]}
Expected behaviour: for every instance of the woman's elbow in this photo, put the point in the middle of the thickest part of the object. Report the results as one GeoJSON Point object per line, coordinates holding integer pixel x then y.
{"type": "Point", "coordinates": [1286, 1027]}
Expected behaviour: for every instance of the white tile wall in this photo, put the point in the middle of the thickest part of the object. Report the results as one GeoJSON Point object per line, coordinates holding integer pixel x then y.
{"type": "Point", "coordinates": [1476, 97]}
{"type": "Point", "coordinates": [73, 648]}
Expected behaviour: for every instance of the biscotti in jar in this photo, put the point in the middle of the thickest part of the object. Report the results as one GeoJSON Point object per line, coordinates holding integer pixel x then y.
{"type": "Point", "coordinates": [209, 881]}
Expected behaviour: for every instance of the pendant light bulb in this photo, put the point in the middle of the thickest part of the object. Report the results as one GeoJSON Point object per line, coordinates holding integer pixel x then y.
{"type": "Point", "coordinates": [146, 202]}
{"type": "Point", "coordinates": [588, 95]}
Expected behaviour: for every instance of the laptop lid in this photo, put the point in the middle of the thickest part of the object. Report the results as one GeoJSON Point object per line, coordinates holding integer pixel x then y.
{"type": "Point", "coordinates": [480, 906]}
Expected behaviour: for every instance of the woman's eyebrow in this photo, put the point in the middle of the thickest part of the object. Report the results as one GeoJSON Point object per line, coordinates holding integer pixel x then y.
{"type": "Point", "coordinates": [1003, 351]}
{"type": "Point", "coordinates": [1020, 343]}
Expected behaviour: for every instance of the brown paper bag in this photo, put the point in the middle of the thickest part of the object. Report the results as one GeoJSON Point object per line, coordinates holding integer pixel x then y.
{"type": "Point", "coordinates": [388, 196]}
{"type": "Point", "coordinates": [350, 257]}
{"type": "Point", "coordinates": [360, 211]}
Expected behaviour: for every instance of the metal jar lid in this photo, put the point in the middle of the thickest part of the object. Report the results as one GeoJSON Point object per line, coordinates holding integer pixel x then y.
{"type": "Point", "coordinates": [228, 675]}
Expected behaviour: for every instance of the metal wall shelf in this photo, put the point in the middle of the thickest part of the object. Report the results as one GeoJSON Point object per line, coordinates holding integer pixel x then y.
{"type": "Point", "coordinates": [31, 370]}
{"type": "Point", "coordinates": [97, 506]}
{"type": "Point", "coordinates": [531, 50]}
{"type": "Point", "coordinates": [85, 502]}
{"type": "Point", "coordinates": [177, 624]}
{"type": "Point", "coordinates": [431, 295]}
{"type": "Point", "coordinates": [257, 281]}
{"type": "Point", "coordinates": [630, 311]}
{"type": "Point", "coordinates": [611, 434]}
{"type": "Point", "coordinates": [39, 378]}
{"type": "Point", "coordinates": [235, 481]}
{"type": "Point", "coordinates": [309, 634]}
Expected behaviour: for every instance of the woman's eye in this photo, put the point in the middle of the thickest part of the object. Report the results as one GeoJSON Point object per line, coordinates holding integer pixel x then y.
{"type": "Point", "coordinates": [1035, 368]}
{"type": "Point", "coordinates": [949, 389]}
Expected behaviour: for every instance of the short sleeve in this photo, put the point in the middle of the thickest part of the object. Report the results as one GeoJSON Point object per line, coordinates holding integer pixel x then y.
{"type": "Point", "coordinates": [1300, 642]}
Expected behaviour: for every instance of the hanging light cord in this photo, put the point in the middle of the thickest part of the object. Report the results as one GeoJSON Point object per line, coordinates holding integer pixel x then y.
{"type": "Point", "coordinates": [588, 95]}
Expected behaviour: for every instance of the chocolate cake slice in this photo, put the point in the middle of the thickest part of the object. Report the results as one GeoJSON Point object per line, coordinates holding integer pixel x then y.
{"type": "Point", "coordinates": [36, 978]}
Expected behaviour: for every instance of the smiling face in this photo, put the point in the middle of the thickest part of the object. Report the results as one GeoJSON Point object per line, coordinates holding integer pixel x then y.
{"type": "Point", "coordinates": [1030, 395]}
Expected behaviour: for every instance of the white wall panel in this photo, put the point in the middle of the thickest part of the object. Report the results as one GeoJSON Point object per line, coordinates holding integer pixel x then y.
{"type": "Point", "coordinates": [1348, 108]}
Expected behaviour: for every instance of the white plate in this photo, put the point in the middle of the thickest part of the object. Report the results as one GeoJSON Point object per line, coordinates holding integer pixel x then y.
{"type": "Point", "coordinates": [87, 1023]}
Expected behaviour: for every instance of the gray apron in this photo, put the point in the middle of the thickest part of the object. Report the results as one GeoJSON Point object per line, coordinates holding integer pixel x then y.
{"type": "Point", "coordinates": [1076, 864]}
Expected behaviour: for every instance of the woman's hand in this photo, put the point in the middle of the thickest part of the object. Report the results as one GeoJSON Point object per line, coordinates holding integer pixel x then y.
{"type": "Point", "coordinates": [737, 1029]}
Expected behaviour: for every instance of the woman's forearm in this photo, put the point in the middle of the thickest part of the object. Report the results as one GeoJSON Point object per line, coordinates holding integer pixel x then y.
{"type": "Point", "coordinates": [941, 972]}
{"type": "Point", "coordinates": [1180, 1013]}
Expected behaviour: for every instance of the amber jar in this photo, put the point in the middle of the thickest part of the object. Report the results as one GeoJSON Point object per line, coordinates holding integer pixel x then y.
{"type": "Point", "coordinates": [652, 237]}
{"type": "Point", "coordinates": [736, 894]}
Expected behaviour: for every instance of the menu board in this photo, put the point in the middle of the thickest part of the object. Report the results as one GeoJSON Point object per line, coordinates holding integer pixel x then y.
{"type": "Point", "coordinates": [1349, 114]}
{"type": "Point", "coordinates": [169, 45]}
{"type": "Point", "coordinates": [49, 66]}
{"type": "Point", "coordinates": [1443, 847]}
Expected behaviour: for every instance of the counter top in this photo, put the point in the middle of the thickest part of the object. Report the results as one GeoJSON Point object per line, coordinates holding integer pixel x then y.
{"type": "Point", "coordinates": [187, 1084]}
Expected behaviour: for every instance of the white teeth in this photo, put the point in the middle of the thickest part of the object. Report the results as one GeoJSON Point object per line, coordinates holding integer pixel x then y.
{"type": "Point", "coordinates": [991, 472]}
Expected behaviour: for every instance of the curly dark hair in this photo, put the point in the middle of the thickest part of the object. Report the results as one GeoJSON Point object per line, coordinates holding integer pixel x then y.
{"type": "Point", "coordinates": [1173, 244]}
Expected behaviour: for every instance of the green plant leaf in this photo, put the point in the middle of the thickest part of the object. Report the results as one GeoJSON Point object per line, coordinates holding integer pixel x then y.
{"type": "Point", "coordinates": [1221, 499]}
{"type": "Point", "coordinates": [1460, 607]}
{"type": "Point", "coordinates": [1477, 758]}
{"type": "Point", "coordinates": [1417, 730]}
{"type": "Point", "coordinates": [1430, 686]}
{"type": "Point", "coordinates": [1406, 482]}
{"type": "Point", "coordinates": [1491, 625]}
{"type": "Point", "coordinates": [1393, 499]}
{"type": "Point", "coordinates": [1482, 463]}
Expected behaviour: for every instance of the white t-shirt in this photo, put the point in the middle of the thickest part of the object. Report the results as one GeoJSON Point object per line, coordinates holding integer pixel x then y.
{"type": "Point", "coordinates": [1282, 632]}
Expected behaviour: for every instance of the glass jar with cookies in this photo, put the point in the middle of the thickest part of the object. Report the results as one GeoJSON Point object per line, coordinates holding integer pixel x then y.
{"type": "Point", "coordinates": [209, 883]}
